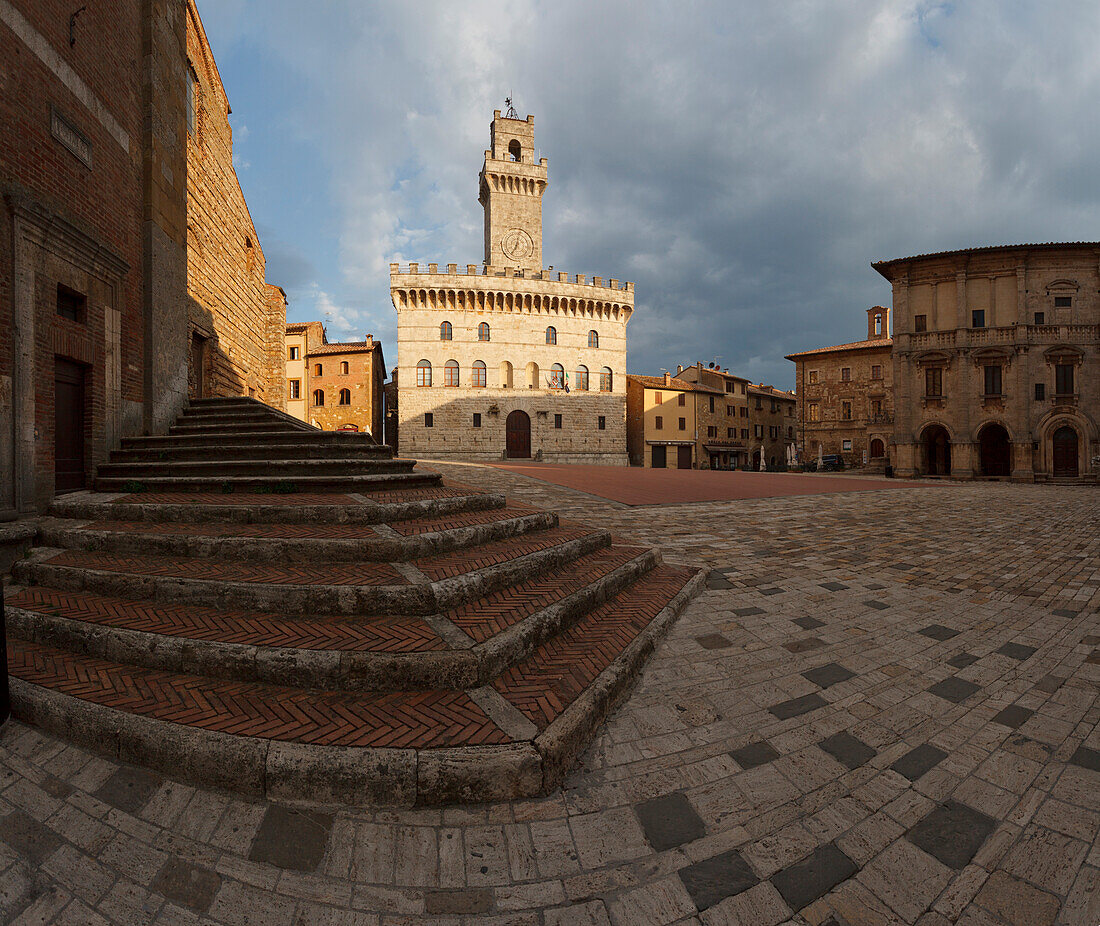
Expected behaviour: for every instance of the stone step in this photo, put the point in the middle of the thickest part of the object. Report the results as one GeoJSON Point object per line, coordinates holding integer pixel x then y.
{"type": "Point", "coordinates": [422, 586]}
{"type": "Point", "coordinates": [383, 652]}
{"type": "Point", "coordinates": [270, 483]}
{"type": "Point", "coordinates": [214, 466]}
{"type": "Point", "coordinates": [233, 427]}
{"type": "Point", "coordinates": [510, 740]}
{"type": "Point", "coordinates": [304, 542]}
{"type": "Point", "coordinates": [171, 442]}
{"type": "Point", "coordinates": [223, 449]}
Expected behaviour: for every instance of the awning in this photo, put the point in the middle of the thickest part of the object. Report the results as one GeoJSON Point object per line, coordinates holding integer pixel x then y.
{"type": "Point", "coordinates": [725, 448]}
{"type": "Point", "coordinates": [671, 443]}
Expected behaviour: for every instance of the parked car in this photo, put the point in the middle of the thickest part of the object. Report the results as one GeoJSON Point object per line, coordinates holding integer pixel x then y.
{"type": "Point", "coordinates": [831, 462]}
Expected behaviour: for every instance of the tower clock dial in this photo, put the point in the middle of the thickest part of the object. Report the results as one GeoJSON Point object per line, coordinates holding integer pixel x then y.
{"type": "Point", "coordinates": [516, 244]}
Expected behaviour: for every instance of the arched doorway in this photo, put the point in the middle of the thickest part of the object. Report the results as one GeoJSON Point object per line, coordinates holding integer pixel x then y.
{"type": "Point", "coordinates": [995, 451]}
{"type": "Point", "coordinates": [1065, 451]}
{"type": "Point", "coordinates": [937, 451]}
{"type": "Point", "coordinates": [756, 459]}
{"type": "Point", "coordinates": [518, 435]}
{"type": "Point", "coordinates": [878, 448]}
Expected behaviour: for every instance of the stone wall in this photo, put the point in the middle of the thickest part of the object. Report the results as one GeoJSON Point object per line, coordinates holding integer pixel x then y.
{"type": "Point", "coordinates": [773, 424]}
{"type": "Point", "coordinates": [363, 381]}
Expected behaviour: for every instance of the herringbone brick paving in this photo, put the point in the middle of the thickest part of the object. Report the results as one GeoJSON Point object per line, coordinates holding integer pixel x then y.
{"type": "Point", "coordinates": [400, 720]}
{"type": "Point", "coordinates": [234, 499]}
{"type": "Point", "coordinates": [460, 562]}
{"type": "Point", "coordinates": [378, 634]}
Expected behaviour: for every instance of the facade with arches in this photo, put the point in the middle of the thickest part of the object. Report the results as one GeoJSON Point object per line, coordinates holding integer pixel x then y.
{"type": "Point", "coordinates": [506, 358]}
{"type": "Point", "coordinates": [996, 361]}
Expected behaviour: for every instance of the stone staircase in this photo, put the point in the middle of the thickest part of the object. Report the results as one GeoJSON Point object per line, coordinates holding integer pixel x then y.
{"type": "Point", "coordinates": [253, 604]}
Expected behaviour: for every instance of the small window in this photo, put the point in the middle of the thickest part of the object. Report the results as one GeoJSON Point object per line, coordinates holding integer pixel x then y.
{"type": "Point", "coordinates": [681, 399]}
{"type": "Point", "coordinates": [551, 335]}
{"type": "Point", "coordinates": [920, 323]}
{"type": "Point", "coordinates": [731, 433]}
{"type": "Point", "coordinates": [744, 411]}
{"type": "Point", "coordinates": [294, 389]}
{"type": "Point", "coordinates": [344, 368]}
{"type": "Point", "coordinates": [992, 380]}
{"type": "Point", "coordinates": [515, 152]}
{"type": "Point", "coordinates": [759, 403]}
{"type": "Point", "coordinates": [846, 445]}
{"type": "Point", "coordinates": [1063, 379]}
{"type": "Point", "coordinates": [557, 422]}
{"type": "Point", "coordinates": [1063, 302]}
{"type": "Point", "coordinates": [478, 374]}
{"type": "Point", "coordinates": [846, 374]}
{"type": "Point", "coordinates": [876, 407]}
{"type": "Point", "coordinates": [683, 424]}
{"type": "Point", "coordinates": [1040, 392]}
{"type": "Point", "coordinates": [876, 371]}
{"type": "Point", "coordinates": [933, 382]}
{"type": "Point", "coordinates": [977, 318]}
{"type": "Point", "coordinates": [744, 434]}
{"type": "Point", "coordinates": [813, 376]}
{"type": "Point", "coordinates": [790, 432]}
{"type": "Point", "coordinates": [815, 412]}
{"type": "Point", "coordinates": [477, 419]}
{"type": "Point", "coordinates": [712, 432]}
{"type": "Point", "coordinates": [318, 370]}
{"type": "Point", "coordinates": [593, 339]}
{"type": "Point", "coordinates": [774, 407]}
{"type": "Point", "coordinates": [601, 423]}
{"type": "Point", "coordinates": [424, 373]}
{"type": "Point", "coordinates": [605, 379]}
{"type": "Point", "coordinates": [557, 376]}
{"type": "Point", "coordinates": [729, 411]}
{"type": "Point", "coordinates": [429, 420]}
{"type": "Point", "coordinates": [582, 378]}
{"type": "Point", "coordinates": [450, 373]}
{"type": "Point", "coordinates": [292, 353]}
{"type": "Point", "coordinates": [345, 397]}
{"type": "Point", "coordinates": [758, 431]}
{"type": "Point", "coordinates": [483, 331]}
{"type": "Point", "coordinates": [446, 332]}
{"type": "Point", "coordinates": [318, 396]}
{"type": "Point", "coordinates": [1040, 318]}
{"type": "Point", "coordinates": [846, 411]}
{"type": "Point", "coordinates": [659, 423]}
{"type": "Point", "coordinates": [744, 387]}
{"type": "Point", "coordinates": [658, 398]}
{"type": "Point", "coordinates": [70, 303]}
{"type": "Point", "coordinates": [192, 79]}
{"type": "Point", "coordinates": [712, 403]}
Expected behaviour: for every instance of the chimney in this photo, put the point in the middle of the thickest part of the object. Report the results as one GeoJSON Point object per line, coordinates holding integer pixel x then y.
{"type": "Point", "coordinates": [668, 378]}
{"type": "Point", "coordinates": [679, 369]}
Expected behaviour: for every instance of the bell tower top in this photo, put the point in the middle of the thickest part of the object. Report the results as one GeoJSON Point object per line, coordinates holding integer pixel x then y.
{"type": "Point", "coordinates": [511, 185]}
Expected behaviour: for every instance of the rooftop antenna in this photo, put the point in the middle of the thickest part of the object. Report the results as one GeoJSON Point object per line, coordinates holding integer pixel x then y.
{"type": "Point", "coordinates": [510, 112]}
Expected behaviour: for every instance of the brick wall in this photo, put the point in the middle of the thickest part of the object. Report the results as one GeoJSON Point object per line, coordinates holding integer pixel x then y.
{"type": "Point", "coordinates": [363, 381]}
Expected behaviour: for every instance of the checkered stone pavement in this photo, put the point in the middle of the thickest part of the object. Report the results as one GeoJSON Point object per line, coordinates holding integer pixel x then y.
{"type": "Point", "coordinates": [883, 708]}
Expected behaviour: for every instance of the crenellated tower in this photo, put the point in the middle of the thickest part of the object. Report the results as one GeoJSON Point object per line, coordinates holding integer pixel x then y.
{"type": "Point", "coordinates": [511, 185]}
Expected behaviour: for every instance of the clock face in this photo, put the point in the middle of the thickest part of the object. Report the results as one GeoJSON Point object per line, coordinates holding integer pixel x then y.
{"type": "Point", "coordinates": [516, 244]}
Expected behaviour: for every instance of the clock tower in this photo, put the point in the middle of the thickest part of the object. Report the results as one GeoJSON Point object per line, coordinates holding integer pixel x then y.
{"type": "Point", "coordinates": [511, 185]}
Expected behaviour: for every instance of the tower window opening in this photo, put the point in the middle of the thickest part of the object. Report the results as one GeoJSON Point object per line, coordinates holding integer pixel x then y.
{"type": "Point", "coordinates": [514, 150]}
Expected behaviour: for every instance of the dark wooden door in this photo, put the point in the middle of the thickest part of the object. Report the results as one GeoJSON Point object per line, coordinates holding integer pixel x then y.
{"type": "Point", "coordinates": [683, 457]}
{"type": "Point", "coordinates": [198, 351]}
{"type": "Point", "coordinates": [518, 435]}
{"type": "Point", "coordinates": [996, 451]}
{"type": "Point", "coordinates": [68, 432]}
{"type": "Point", "coordinates": [938, 452]}
{"type": "Point", "coordinates": [1065, 452]}
{"type": "Point", "coordinates": [660, 457]}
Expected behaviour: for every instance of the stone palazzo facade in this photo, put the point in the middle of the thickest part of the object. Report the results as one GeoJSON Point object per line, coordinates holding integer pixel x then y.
{"type": "Point", "coordinates": [996, 362]}
{"type": "Point", "coordinates": [507, 359]}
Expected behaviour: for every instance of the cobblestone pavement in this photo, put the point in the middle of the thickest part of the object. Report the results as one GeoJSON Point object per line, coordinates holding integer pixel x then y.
{"type": "Point", "coordinates": [883, 709]}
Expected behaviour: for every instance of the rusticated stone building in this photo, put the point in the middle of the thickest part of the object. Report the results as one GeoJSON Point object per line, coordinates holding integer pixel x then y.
{"type": "Point", "coordinates": [772, 418]}
{"type": "Point", "coordinates": [508, 358]}
{"type": "Point", "coordinates": [845, 396]}
{"type": "Point", "coordinates": [996, 361]}
{"type": "Point", "coordinates": [724, 442]}
{"type": "Point", "coordinates": [672, 423]}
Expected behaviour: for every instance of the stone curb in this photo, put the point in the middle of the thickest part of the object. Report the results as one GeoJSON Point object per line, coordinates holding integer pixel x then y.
{"type": "Point", "coordinates": [222, 468]}
{"type": "Point", "coordinates": [334, 483]}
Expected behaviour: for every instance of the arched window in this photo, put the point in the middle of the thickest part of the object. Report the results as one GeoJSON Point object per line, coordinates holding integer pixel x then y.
{"type": "Point", "coordinates": [506, 375]}
{"type": "Point", "coordinates": [450, 373]}
{"type": "Point", "coordinates": [514, 150]}
{"type": "Point", "coordinates": [551, 335]}
{"type": "Point", "coordinates": [318, 396]}
{"type": "Point", "coordinates": [445, 331]}
{"type": "Point", "coordinates": [345, 397]}
{"type": "Point", "coordinates": [557, 376]}
{"type": "Point", "coordinates": [424, 373]}
{"type": "Point", "coordinates": [605, 379]}
{"type": "Point", "coordinates": [532, 375]}
{"type": "Point", "coordinates": [593, 339]}
{"type": "Point", "coordinates": [317, 369]}
{"type": "Point", "coordinates": [479, 373]}
{"type": "Point", "coordinates": [582, 378]}
{"type": "Point", "coordinates": [344, 367]}
{"type": "Point", "coordinates": [483, 331]}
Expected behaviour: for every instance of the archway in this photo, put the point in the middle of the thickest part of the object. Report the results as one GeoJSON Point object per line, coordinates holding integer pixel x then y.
{"type": "Point", "coordinates": [1065, 451]}
{"type": "Point", "coordinates": [878, 448]}
{"type": "Point", "coordinates": [518, 435]}
{"type": "Point", "coordinates": [995, 451]}
{"type": "Point", "coordinates": [937, 451]}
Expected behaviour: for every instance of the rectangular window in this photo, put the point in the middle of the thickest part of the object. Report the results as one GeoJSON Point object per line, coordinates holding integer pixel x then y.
{"type": "Point", "coordinates": [1040, 392]}
{"type": "Point", "coordinates": [813, 376]}
{"type": "Point", "coordinates": [759, 403]}
{"type": "Point", "coordinates": [429, 420]}
{"type": "Point", "coordinates": [876, 371]}
{"type": "Point", "coordinates": [846, 445]}
{"type": "Point", "coordinates": [1063, 302]}
{"type": "Point", "coordinates": [681, 400]}
{"type": "Point", "coordinates": [775, 407]}
{"type": "Point", "coordinates": [992, 380]}
{"type": "Point", "coordinates": [191, 81]}
{"type": "Point", "coordinates": [729, 386]}
{"type": "Point", "coordinates": [477, 419]}
{"type": "Point", "coordinates": [659, 423]}
{"type": "Point", "coordinates": [557, 422]}
{"type": "Point", "coordinates": [758, 431]}
{"type": "Point", "coordinates": [683, 424]}
{"type": "Point", "coordinates": [729, 411]}
{"type": "Point", "coordinates": [744, 434]}
{"type": "Point", "coordinates": [712, 432]}
{"type": "Point", "coordinates": [1040, 318]}
{"type": "Point", "coordinates": [731, 433]}
{"type": "Point", "coordinates": [1063, 379]}
{"type": "Point", "coordinates": [292, 353]}
{"type": "Point", "coordinates": [744, 411]}
{"type": "Point", "coordinates": [70, 303]}
{"type": "Point", "coordinates": [876, 407]}
{"type": "Point", "coordinates": [845, 374]}
{"type": "Point", "coordinates": [744, 387]}
{"type": "Point", "coordinates": [933, 381]}
{"type": "Point", "coordinates": [846, 411]}
{"type": "Point", "coordinates": [658, 398]}
{"type": "Point", "coordinates": [977, 318]}
{"type": "Point", "coordinates": [294, 389]}
{"type": "Point", "coordinates": [712, 403]}
{"type": "Point", "coordinates": [601, 423]}
{"type": "Point", "coordinates": [815, 412]}
{"type": "Point", "coordinates": [920, 322]}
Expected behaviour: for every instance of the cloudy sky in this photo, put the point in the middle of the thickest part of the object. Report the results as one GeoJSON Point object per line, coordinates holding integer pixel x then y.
{"type": "Point", "coordinates": [743, 161]}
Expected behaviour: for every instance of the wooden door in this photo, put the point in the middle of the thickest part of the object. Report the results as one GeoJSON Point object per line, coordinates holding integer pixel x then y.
{"type": "Point", "coordinates": [518, 435]}
{"type": "Point", "coordinates": [1065, 451]}
{"type": "Point", "coordinates": [198, 345]}
{"type": "Point", "coordinates": [683, 457]}
{"type": "Point", "coordinates": [68, 432]}
{"type": "Point", "coordinates": [660, 457]}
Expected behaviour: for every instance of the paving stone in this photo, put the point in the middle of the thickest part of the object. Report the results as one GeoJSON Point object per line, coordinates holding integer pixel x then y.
{"type": "Point", "coordinates": [748, 612]}
{"type": "Point", "coordinates": [32, 840]}
{"type": "Point", "coordinates": [962, 660]}
{"type": "Point", "coordinates": [291, 839]}
{"type": "Point", "coordinates": [1086, 758]}
{"type": "Point", "coordinates": [847, 749]}
{"type": "Point", "coordinates": [833, 586]}
{"type": "Point", "coordinates": [806, 645]}
{"type": "Point", "coordinates": [1017, 651]}
{"type": "Point", "coordinates": [1017, 902]}
{"type": "Point", "coordinates": [919, 761]}
{"type": "Point", "coordinates": [714, 879]}
{"type": "Point", "coordinates": [669, 821]}
{"type": "Point", "coordinates": [1065, 612]}
{"type": "Point", "coordinates": [938, 632]}
{"type": "Point", "coordinates": [808, 623]}
{"type": "Point", "coordinates": [877, 605]}
{"type": "Point", "coordinates": [716, 581]}
{"type": "Point", "coordinates": [813, 877]}
{"type": "Point", "coordinates": [831, 673]}
{"type": "Point", "coordinates": [713, 641]}
{"type": "Point", "coordinates": [952, 833]}
{"type": "Point", "coordinates": [954, 689]}
{"type": "Point", "coordinates": [796, 706]}
{"type": "Point", "coordinates": [458, 902]}
{"type": "Point", "coordinates": [129, 788]}
{"type": "Point", "coordinates": [187, 884]}
{"type": "Point", "coordinates": [1013, 716]}
{"type": "Point", "coordinates": [1049, 684]}
{"type": "Point", "coordinates": [770, 591]}
{"type": "Point", "coordinates": [753, 754]}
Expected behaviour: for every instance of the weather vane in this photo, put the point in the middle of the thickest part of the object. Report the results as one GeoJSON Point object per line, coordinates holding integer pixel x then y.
{"type": "Point", "coordinates": [510, 113]}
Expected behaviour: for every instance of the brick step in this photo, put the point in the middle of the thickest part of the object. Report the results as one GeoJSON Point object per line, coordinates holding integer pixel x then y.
{"type": "Point", "coordinates": [444, 580]}
{"type": "Point", "coordinates": [235, 427]}
{"type": "Point", "coordinates": [383, 652]}
{"type": "Point", "coordinates": [273, 483]}
{"type": "Point", "coordinates": [393, 505]}
{"type": "Point", "coordinates": [171, 444]}
{"type": "Point", "coordinates": [214, 465]}
{"type": "Point", "coordinates": [259, 451]}
{"type": "Point", "coordinates": [305, 542]}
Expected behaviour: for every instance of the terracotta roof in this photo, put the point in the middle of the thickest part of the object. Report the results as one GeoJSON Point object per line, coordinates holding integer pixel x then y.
{"type": "Point", "coordinates": [351, 347]}
{"type": "Point", "coordinates": [855, 345]}
{"type": "Point", "coordinates": [880, 265]}
{"type": "Point", "coordinates": [773, 392]}
{"type": "Point", "coordinates": [298, 326]}
{"type": "Point", "coordinates": [678, 385]}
